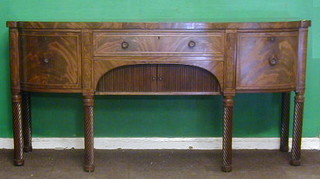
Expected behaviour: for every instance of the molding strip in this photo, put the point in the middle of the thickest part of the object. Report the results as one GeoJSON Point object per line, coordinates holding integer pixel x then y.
{"type": "Point", "coordinates": [154, 143]}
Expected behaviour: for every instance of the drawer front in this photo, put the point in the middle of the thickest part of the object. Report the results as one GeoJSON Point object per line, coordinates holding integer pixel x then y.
{"type": "Point", "coordinates": [267, 60]}
{"type": "Point", "coordinates": [158, 44]}
{"type": "Point", "coordinates": [50, 59]}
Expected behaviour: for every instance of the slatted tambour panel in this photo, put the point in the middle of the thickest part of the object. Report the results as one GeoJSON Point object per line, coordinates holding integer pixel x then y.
{"type": "Point", "coordinates": [158, 78]}
{"type": "Point", "coordinates": [184, 78]}
{"type": "Point", "coordinates": [131, 78]}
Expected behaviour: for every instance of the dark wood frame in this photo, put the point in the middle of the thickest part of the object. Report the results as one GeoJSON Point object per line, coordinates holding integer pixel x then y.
{"type": "Point", "coordinates": [218, 55]}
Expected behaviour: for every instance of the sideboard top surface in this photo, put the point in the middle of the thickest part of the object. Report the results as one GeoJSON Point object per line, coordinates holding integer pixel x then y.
{"type": "Point", "coordinates": [160, 25]}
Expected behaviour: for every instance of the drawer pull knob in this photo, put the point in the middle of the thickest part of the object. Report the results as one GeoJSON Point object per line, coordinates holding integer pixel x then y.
{"type": "Point", "coordinates": [124, 45]}
{"type": "Point", "coordinates": [46, 60]}
{"type": "Point", "coordinates": [160, 78]}
{"type": "Point", "coordinates": [192, 44]}
{"type": "Point", "coordinates": [273, 61]}
{"type": "Point", "coordinates": [154, 78]}
{"type": "Point", "coordinates": [272, 39]}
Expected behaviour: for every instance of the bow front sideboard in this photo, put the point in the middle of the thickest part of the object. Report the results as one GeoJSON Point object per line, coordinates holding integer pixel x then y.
{"type": "Point", "coordinates": [196, 58]}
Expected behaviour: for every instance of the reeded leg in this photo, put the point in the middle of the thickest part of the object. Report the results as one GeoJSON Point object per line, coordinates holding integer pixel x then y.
{"type": "Point", "coordinates": [17, 129]}
{"type": "Point", "coordinates": [297, 130]}
{"type": "Point", "coordinates": [227, 134]}
{"type": "Point", "coordinates": [26, 122]}
{"type": "Point", "coordinates": [89, 133]}
{"type": "Point", "coordinates": [285, 118]}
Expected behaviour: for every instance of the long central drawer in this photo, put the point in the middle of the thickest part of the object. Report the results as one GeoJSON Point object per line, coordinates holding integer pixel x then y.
{"type": "Point", "coordinates": [158, 43]}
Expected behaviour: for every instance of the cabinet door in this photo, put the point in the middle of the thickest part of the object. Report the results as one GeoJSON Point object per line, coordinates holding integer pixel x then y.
{"type": "Point", "coordinates": [163, 78]}
{"type": "Point", "coordinates": [184, 78]}
{"type": "Point", "coordinates": [130, 79]}
{"type": "Point", "coordinates": [267, 61]}
{"type": "Point", "coordinates": [50, 59]}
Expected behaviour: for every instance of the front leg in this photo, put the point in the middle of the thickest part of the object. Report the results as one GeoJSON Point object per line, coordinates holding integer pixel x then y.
{"type": "Point", "coordinates": [17, 129]}
{"type": "Point", "coordinates": [88, 102]}
{"type": "Point", "coordinates": [227, 134]}
{"type": "Point", "coordinates": [26, 121]}
{"type": "Point", "coordinates": [297, 130]}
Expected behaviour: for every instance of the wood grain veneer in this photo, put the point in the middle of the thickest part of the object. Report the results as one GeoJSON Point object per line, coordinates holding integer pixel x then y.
{"type": "Point", "coordinates": [50, 59]}
{"type": "Point", "coordinates": [267, 60]}
{"type": "Point", "coordinates": [163, 43]}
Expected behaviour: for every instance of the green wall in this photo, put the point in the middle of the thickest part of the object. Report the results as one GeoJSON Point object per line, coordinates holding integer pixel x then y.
{"type": "Point", "coordinates": [256, 115]}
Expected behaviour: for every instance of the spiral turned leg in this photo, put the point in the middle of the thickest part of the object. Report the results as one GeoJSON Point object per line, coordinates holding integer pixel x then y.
{"type": "Point", "coordinates": [17, 129]}
{"type": "Point", "coordinates": [285, 118]}
{"type": "Point", "coordinates": [227, 134]}
{"type": "Point", "coordinates": [89, 133]}
{"type": "Point", "coordinates": [26, 122]}
{"type": "Point", "coordinates": [297, 130]}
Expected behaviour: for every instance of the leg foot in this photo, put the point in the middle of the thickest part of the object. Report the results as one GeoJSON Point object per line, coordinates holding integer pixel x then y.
{"type": "Point", "coordinates": [226, 168]}
{"type": "Point", "coordinates": [295, 162]}
{"type": "Point", "coordinates": [88, 168]}
{"type": "Point", "coordinates": [18, 162]}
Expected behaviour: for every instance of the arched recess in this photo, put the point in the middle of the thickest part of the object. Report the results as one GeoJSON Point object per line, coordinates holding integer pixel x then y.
{"type": "Point", "coordinates": [150, 78]}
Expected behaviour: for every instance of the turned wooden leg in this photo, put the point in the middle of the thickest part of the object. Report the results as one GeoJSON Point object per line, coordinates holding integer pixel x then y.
{"type": "Point", "coordinates": [285, 118]}
{"type": "Point", "coordinates": [297, 130]}
{"type": "Point", "coordinates": [26, 122]}
{"type": "Point", "coordinates": [17, 129]}
{"type": "Point", "coordinates": [227, 134]}
{"type": "Point", "coordinates": [89, 133]}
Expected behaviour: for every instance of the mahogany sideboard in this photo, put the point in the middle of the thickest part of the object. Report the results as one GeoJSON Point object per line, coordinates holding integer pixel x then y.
{"type": "Point", "coordinates": [196, 58]}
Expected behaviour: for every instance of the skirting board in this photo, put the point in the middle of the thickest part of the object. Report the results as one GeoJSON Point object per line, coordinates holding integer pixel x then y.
{"type": "Point", "coordinates": [161, 143]}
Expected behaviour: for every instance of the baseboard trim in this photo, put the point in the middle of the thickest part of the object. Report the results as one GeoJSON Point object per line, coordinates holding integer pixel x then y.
{"type": "Point", "coordinates": [161, 143]}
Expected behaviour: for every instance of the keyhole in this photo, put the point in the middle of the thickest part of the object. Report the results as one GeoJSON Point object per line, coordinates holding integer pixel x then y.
{"type": "Point", "coordinates": [158, 37]}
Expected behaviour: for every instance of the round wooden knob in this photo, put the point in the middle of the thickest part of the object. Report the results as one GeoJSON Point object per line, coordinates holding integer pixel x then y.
{"type": "Point", "coordinates": [124, 45]}
{"type": "Point", "coordinates": [273, 61]}
{"type": "Point", "coordinates": [46, 60]}
{"type": "Point", "coordinates": [192, 44]}
{"type": "Point", "coordinates": [272, 39]}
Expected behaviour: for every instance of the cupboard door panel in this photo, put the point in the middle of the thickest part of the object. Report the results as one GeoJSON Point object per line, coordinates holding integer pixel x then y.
{"type": "Point", "coordinates": [267, 60]}
{"type": "Point", "coordinates": [51, 59]}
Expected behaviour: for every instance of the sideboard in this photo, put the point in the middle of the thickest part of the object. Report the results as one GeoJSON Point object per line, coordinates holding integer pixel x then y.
{"type": "Point", "coordinates": [196, 58]}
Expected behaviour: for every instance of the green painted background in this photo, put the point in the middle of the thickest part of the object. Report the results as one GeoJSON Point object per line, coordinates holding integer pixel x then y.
{"type": "Point", "coordinates": [256, 115]}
